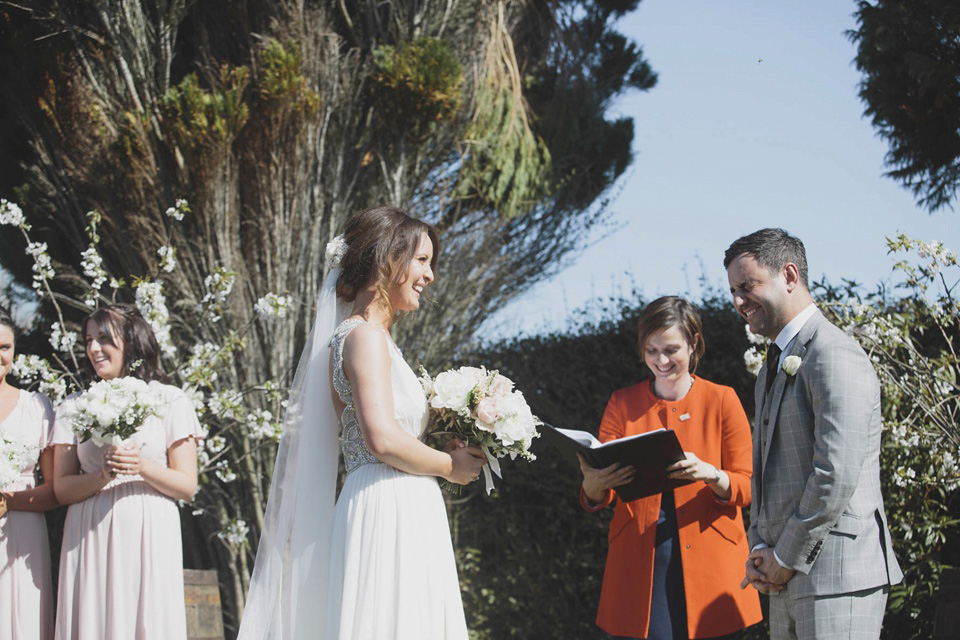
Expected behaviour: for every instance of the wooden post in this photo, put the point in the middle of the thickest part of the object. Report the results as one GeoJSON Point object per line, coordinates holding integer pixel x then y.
{"type": "Point", "coordinates": [202, 597]}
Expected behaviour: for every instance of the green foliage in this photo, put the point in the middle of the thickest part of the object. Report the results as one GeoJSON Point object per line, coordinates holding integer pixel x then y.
{"type": "Point", "coordinates": [909, 53]}
{"type": "Point", "coordinates": [415, 85]}
{"type": "Point", "coordinates": [279, 81]}
{"type": "Point", "coordinates": [507, 167]}
{"type": "Point", "coordinates": [570, 95]}
{"type": "Point", "coordinates": [206, 119]}
{"type": "Point", "coordinates": [913, 340]}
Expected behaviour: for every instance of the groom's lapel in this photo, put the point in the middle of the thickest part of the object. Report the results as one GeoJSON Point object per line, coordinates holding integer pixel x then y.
{"type": "Point", "coordinates": [799, 349]}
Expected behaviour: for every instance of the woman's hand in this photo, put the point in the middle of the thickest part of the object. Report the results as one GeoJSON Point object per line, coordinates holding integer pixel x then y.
{"type": "Point", "coordinates": [124, 461]}
{"type": "Point", "coordinates": [467, 463]}
{"type": "Point", "coordinates": [693, 468]}
{"type": "Point", "coordinates": [596, 482]}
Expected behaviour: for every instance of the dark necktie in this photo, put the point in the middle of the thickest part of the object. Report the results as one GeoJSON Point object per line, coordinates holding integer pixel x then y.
{"type": "Point", "coordinates": [773, 363]}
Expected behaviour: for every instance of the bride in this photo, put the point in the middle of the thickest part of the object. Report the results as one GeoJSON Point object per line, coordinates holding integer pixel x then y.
{"type": "Point", "coordinates": [378, 564]}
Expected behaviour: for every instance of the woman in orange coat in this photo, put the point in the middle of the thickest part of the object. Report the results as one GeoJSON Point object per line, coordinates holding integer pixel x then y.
{"type": "Point", "coordinates": [675, 560]}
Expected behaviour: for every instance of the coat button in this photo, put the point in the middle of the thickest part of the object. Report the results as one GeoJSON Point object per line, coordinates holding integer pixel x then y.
{"type": "Point", "coordinates": [688, 546]}
{"type": "Point", "coordinates": [674, 409]}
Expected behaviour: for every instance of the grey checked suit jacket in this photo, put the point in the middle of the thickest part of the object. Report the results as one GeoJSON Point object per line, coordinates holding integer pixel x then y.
{"type": "Point", "coordinates": [816, 461]}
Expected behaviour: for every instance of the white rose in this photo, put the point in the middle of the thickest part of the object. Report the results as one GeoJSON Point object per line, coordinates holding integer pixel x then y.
{"type": "Point", "coordinates": [511, 429]}
{"type": "Point", "coordinates": [518, 422]}
{"type": "Point", "coordinates": [791, 364]}
{"type": "Point", "coordinates": [106, 415]}
{"type": "Point", "coordinates": [452, 390]}
{"type": "Point", "coordinates": [500, 385]}
{"type": "Point", "coordinates": [475, 374]}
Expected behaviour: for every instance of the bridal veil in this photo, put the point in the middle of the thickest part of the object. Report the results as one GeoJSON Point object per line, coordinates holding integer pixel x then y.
{"type": "Point", "coordinates": [287, 599]}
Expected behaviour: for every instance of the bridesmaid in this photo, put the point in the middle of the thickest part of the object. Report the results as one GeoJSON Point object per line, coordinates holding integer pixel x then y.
{"type": "Point", "coordinates": [26, 595]}
{"type": "Point", "coordinates": [121, 566]}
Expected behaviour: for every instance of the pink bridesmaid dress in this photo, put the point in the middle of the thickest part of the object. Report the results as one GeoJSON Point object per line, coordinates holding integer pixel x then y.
{"type": "Point", "coordinates": [26, 593]}
{"type": "Point", "coordinates": [121, 565]}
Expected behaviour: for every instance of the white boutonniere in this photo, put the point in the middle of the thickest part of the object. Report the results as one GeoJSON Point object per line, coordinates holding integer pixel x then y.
{"type": "Point", "coordinates": [791, 364]}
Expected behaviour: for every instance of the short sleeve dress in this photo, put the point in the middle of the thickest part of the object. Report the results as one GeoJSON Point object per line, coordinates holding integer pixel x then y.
{"type": "Point", "coordinates": [26, 593]}
{"type": "Point", "coordinates": [121, 564]}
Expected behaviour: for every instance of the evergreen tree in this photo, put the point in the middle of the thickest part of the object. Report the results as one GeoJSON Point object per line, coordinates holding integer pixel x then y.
{"type": "Point", "coordinates": [909, 53]}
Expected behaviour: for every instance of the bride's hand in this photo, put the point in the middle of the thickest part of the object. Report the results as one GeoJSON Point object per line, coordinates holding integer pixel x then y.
{"type": "Point", "coordinates": [467, 463]}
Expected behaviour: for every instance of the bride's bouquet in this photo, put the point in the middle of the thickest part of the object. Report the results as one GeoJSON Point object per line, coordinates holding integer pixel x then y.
{"type": "Point", "coordinates": [14, 456]}
{"type": "Point", "coordinates": [482, 408]}
{"type": "Point", "coordinates": [111, 411]}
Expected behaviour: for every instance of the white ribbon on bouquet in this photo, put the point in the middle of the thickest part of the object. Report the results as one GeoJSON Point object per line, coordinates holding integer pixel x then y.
{"type": "Point", "coordinates": [492, 464]}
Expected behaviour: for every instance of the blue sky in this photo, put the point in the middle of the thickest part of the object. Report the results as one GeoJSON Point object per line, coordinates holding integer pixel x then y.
{"type": "Point", "coordinates": [755, 122]}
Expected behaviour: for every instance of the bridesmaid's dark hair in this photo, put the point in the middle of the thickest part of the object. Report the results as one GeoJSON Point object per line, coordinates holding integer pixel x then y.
{"type": "Point", "coordinates": [672, 311]}
{"type": "Point", "coordinates": [141, 351]}
{"type": "Point", "coordinates": [381, 241]}
{"type": "Point", "coordinates": [6, 320]}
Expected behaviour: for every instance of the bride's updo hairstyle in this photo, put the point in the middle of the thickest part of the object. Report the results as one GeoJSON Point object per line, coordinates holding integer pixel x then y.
{"type": "Point", "coordinates": [141, 351]}
{"type": "Point", "coordinates": [381, 242]}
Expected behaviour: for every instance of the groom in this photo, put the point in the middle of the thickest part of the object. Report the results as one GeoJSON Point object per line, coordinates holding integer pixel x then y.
{"type": "Point", "coordinates": [818, 532]}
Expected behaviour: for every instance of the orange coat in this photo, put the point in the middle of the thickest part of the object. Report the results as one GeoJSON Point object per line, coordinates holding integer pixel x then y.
{"type": "Point", "coordinates": [710, 423]}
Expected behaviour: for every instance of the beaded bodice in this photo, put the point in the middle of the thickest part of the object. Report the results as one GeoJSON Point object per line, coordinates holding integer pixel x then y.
{"type": "Point", "coordinates": [410, 404]}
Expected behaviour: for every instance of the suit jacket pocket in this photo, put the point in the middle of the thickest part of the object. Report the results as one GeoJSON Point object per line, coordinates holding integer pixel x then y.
{"type": "Point", "coordinates": [847, 525]}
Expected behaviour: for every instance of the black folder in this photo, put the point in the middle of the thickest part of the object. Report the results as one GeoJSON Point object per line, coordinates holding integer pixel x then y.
{"type": "Point", "coordinates": [649, 453]}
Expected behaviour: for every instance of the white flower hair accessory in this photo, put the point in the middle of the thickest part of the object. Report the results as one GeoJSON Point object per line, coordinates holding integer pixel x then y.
{"type": "Point", "coordinates": [791, 364]}
{"type": "Point", "coordinates": [336, 249]}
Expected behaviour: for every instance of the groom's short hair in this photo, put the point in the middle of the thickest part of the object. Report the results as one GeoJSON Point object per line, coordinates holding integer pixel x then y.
{"type": "Point", "coordinates": [771, 248]}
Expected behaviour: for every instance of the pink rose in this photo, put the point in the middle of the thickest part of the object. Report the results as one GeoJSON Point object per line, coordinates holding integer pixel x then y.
{"type": "Point", "coordinates": [487, 410]}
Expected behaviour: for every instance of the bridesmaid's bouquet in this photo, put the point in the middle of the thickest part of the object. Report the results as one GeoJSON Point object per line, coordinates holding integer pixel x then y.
{"type": "Point", "coordinates": [14, 456]}
{"type": "Point", "coordinates": [482, 408]}
{"type": "Point", "coordinates": [111, 411]}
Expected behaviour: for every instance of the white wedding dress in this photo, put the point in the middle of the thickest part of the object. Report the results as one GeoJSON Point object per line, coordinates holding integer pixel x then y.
{"type": "Point", "coordinates": [392, 569]}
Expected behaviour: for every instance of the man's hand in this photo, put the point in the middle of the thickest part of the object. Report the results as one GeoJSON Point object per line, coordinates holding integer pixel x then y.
{"type": "Point", "coordinates": [764, 573]}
